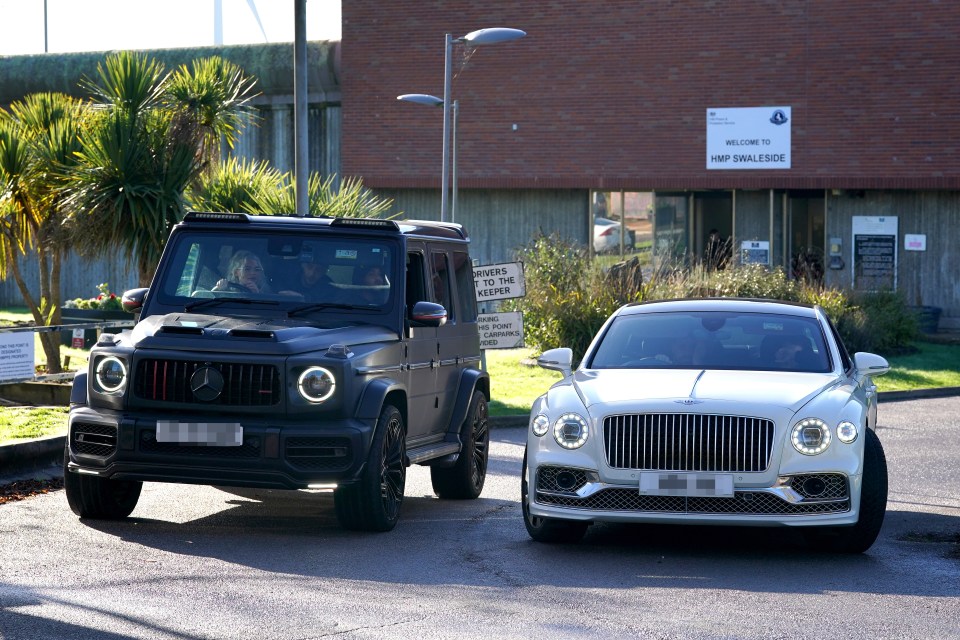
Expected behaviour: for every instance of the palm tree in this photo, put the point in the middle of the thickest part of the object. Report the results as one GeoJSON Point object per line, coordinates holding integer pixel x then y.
{"type": "Point", "coordinates": [152, 135]}
{"type": "Point", "coordinates": [38, 145]}
{"type": "Point", "coordinates": [255, 187]}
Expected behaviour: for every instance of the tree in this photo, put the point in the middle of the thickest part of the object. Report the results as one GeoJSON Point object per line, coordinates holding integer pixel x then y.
{"type": "Point", "coordinates": [152, 135]}
{"type": "Point", "coordinates": [38, 145]}
{"type": "Point", "coordinates": [255, 187]}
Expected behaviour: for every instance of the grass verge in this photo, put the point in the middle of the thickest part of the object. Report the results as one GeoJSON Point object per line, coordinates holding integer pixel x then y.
{"type": "Point", "coordinates": [32, 422]}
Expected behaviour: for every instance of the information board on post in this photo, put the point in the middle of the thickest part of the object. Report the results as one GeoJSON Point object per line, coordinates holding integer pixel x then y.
{"type": "Point", "coordinates": [499, 281]}
{"type": "Point", "coordinates": [875, 252]}
{"type": "Point", "coordinates": [17, 356]}
{"type": "Point", "coordinates": [501, 330]}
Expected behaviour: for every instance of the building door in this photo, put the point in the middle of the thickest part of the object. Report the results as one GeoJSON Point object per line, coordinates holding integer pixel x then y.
{"type": "Point", "coordinates": [806, 241]}
{"type": "Point", "coordinates": [713, 228]}
{"type": "Point", "coordinates": [671, 219]}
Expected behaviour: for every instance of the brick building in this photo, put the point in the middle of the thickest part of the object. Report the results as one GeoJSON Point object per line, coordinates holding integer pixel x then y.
{"type": "Point", "coordinates": [609, 102]}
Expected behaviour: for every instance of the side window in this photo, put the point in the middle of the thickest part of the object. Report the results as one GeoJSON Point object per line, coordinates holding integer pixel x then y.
{"type": "Point", "coordinates": [441, 283]}
{"type": "Point", "coordinates": [416, 291]}
{"type": "Point", "coordinates": [465, 288]}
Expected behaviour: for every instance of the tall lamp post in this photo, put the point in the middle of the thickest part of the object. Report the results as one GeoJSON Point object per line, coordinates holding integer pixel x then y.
{"type": "Point", "coordinates": [434, 101]}
{"type": "Point", "coordinates": [474, 38]}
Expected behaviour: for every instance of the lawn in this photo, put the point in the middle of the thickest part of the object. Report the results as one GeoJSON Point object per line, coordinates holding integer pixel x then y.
{"type": "Point", "coordinates": [515, 383]}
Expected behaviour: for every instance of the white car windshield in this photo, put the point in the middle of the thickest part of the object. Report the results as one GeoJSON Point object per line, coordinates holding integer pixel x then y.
{"type": "Point", "coordinates": [713, 340]}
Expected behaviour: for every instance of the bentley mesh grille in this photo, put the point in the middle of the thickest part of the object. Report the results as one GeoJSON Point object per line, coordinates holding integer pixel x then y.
{"type": "Point", "coordinates": [572, 480]}
{"type": "Point", "coordinates": [93, 439]}
{"type": "Point", "coordinates": [743, 502]}
{"type": "Point", "coordinates": [318, 454]}
{"type": "Point", "coordinates": [244, 385]}
{"type": "Point", "coordinates": [687, 442]}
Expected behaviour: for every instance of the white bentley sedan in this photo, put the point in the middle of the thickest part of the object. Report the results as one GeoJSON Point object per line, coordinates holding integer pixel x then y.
{"type": "Point", "coordinates": [716, 411]}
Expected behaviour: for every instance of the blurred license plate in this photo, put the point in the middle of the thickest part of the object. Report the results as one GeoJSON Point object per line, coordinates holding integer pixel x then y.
{"type": "Point", "coordinates": [209, 434]}
{"type": "Point", "coordinates": [661, 483]}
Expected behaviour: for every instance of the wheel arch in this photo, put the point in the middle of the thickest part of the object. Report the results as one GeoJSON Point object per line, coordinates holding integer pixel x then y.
{"type": "Point", "coordinates": [470, 380]}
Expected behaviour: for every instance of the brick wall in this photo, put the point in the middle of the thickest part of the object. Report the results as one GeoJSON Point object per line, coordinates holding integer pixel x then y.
{"type": "Point", "coordinates": [613, 94]}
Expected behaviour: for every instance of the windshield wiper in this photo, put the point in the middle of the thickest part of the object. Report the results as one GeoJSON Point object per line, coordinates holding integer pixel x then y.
{"type": "Point", "coordinates": [317, 306]}
{"type": "Point", "coordinates": [213, 302]}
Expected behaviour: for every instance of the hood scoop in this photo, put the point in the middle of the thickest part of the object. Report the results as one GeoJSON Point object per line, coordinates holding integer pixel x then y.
{"type": "Point", "coordinates": [253, 333]}
{"type": "Point", "coordinates": [180, 330]}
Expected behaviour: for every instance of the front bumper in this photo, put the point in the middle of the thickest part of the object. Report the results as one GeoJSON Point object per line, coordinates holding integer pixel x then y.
{"type": "Point", "coordinates": [583, 496]}
{"type": "Point", "coordinates": [275, 453]}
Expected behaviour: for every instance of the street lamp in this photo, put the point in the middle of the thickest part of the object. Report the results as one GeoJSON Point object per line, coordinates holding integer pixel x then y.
{"type": "Point", "coordinates": [434, 101]}
{"type": "Point", "coordinates": [474, 38]}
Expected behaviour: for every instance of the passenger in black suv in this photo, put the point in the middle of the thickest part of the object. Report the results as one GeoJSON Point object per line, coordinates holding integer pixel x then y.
{"type": "Point", "coordinates": [264, 389]}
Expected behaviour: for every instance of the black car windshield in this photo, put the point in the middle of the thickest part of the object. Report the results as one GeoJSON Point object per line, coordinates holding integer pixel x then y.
{"type": "Point", "coordinates": [318, 273]}
{"type": "Point", "coordinates": [713, 340]}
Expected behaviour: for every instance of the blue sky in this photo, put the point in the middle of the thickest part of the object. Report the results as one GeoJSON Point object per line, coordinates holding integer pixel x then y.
{"type": "Point", "coordinates": [98, 25]}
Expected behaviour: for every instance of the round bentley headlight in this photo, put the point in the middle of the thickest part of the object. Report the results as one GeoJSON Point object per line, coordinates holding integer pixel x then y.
{"type": "Point", "coordinates": [316, 384]}
{"type": "Point", "coordinates": [540, 425]}
{"type": "Point", "coordinates": [810, 436]}
{"type": "Point", "coordinates": [847, 432]}
{"type": "Point", "coordinates": [571, 431]}
{"type": "Point", "coordinates": [111, 374]}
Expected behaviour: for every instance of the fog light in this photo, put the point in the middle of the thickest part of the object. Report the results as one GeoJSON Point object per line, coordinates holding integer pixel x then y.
{"type": "Point", "coordinates": [566, 480]}
{"type": "Point", "coordinates": [814, 486]}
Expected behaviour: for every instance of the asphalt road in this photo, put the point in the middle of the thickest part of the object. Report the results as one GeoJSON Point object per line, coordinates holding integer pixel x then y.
{"type": "Point", "coordinates": [202, 562]}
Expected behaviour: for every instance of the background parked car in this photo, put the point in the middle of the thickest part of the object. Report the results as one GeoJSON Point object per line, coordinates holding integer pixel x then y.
{"type": "Point", "coordinates": [606, 235]}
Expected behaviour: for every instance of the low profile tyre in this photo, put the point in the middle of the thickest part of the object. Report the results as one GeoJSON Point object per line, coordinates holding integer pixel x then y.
{"type": "Point", "coordinates": [99, 498]}
{"type": "Point", "coordinates": [464, 480]}
{"type": "Point", "coordinates": [550, 530]}
{"type": "Point", "coordinates": [373, 502]}
{"type": "Point", "coordinates": [873, 505]}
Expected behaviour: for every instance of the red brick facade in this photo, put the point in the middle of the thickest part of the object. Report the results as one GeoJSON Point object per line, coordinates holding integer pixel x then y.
{"type": "Point", "coordinates": [613, 95]}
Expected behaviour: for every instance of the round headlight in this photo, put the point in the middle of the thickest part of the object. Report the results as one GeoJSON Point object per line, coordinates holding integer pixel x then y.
{"type": "Point", "coordinates": [111, 374]}
{"type": "Point", "coordinates": [847, 432]}
{"type": "Point", "coordinates": [316, 384]}
{"type": "Point", "coordinates": [540, 425]}
{"type": "Point", "coordinates": [571, 431]}
{"type": "Point", "coordinates": [810, 436]}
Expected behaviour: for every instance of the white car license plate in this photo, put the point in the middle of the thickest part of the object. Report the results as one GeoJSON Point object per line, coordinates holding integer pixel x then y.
{"type": "Point", "coordinates": [210, 434]}
{"type": "Point", "coordinates": [662, 483]}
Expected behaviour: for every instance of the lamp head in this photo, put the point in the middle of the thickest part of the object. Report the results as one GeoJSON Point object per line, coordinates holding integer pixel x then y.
{"type": "Point", "coordinates": [492, 35]}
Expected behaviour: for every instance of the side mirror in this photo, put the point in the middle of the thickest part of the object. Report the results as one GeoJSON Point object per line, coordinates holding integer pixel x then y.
{"type": "Point", "coordinates": [428, 314]}
{"type": "Point", "coordinates": [870, 364]}
{"type": "Point", "coordinates": [133, 299]}
{"type": "Point", "coordinates": [557, 360]}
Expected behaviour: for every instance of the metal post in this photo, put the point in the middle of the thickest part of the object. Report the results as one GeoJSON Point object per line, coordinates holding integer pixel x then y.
{"type": "Point", "coordinates": [447, 78]}
{"type": "Point", "coordinates": [301, 158]}
{"type": "Point", "coordinates": [46, 48]}
{"type": "Point", "coordinates": [453, 199]}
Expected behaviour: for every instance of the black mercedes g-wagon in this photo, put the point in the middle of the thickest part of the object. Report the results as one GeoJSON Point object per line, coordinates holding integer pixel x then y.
{"type": "Point", "coordinates": [296, 353]}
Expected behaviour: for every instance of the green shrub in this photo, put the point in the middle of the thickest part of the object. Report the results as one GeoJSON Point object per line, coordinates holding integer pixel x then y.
{"type": "Point", "coordinates": [568, 298]}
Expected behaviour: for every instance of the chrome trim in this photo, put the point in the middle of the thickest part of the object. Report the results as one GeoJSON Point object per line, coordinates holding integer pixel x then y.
{"type": "Point", "coordinates": [471, 359]}
{"type": "Point", "coordinates": [688, 442]}
{"type": "Point", "coordinates": [444, 363]}
{"type": "Point", "coordinates": [366, 371]}
{"type": "Point", "coordinates": [420, 365]}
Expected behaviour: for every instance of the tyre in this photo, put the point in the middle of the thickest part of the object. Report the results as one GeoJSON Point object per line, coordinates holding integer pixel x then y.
{"type": "Point", "coordinates": [873, 505]}
{"type": "Point", "coordinates": [99, 498]}
{"type": "Point", "coordinates": [550, 530]}
{"type": "Point", "coordinates": [373, 502]}
{"type": "Point", "coordinates": [464, 480]}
